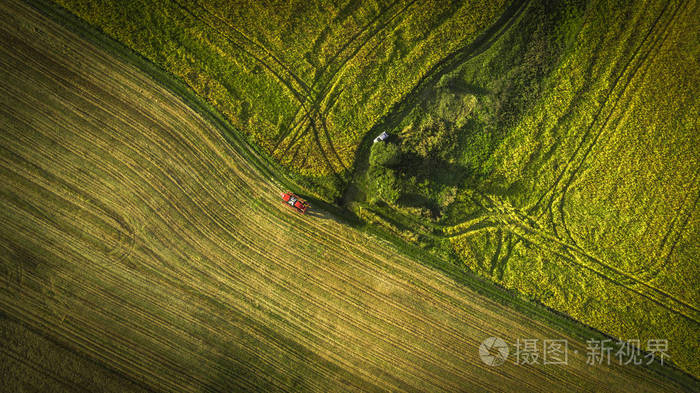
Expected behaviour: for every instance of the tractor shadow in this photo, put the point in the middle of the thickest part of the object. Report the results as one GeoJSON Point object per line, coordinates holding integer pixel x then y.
{"type": "Point", "coordinates": [326, 211]}
{"type": "Point", "coordinates": [315, 213]}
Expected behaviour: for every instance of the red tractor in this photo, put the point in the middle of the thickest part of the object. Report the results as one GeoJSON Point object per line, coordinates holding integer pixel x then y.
{"type": "Point", "coordinates": [294, 201]}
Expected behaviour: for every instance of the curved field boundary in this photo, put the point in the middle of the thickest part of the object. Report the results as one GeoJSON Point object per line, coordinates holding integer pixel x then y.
{"type": "Point", "coordinates": [255, 181]}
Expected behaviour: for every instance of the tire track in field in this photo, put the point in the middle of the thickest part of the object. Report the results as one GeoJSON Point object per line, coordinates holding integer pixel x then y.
{"type": "Point", "coordinates": [304, 95]}
{"type": "Point", "coordinates": [649, 271]}
{"type": "Point", "coordinates": [589, 75]}
{"type": "Point", "coordinates": [681, 228]}
{"type": "Point", "coordinates": [301, 95]}
{"type": "Point", "coordinates": [519, 224]}
{"type": "Point", "coordinates": [362, 30]}
{"type": "Point", "coordinates": [656, 44]}
{"type": "Point", "coordinates": [11, 354]}
{"type": "Point", "coordinates": [659, 40]}
{"type": "Point", "coordinates": [321, 73]}
{"type": "Point", "coordinates": [326, 88]}
{"type": "Point", "coordinates": [304, 87]}
{"type": "Point", "coordinates": [553, 189]}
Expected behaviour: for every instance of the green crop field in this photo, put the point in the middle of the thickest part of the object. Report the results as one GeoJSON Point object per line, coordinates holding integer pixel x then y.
{"type": "Point", "coordinates": [540, 182]}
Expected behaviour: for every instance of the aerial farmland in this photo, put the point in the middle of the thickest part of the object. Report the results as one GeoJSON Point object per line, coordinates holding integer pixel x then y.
{"type": "Point", "coordinates": [332, 196]}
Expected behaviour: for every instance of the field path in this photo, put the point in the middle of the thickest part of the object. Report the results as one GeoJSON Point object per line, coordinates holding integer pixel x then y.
{"type": "Point", "coordinates": [134, 234]}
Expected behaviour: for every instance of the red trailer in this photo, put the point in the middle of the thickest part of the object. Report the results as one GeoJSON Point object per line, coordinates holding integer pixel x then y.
{"type": "Point", "coordinates": [292, 200]}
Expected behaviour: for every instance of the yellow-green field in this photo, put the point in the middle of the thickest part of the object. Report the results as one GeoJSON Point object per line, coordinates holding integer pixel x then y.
{"type": "Point", "coordinates": [140, 251]}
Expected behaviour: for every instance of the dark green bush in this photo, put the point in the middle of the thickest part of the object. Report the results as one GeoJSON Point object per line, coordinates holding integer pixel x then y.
{"type": "Point", "coordinates": [383, 185]}
{"type": "Point", "coordinates": [384, 154]}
